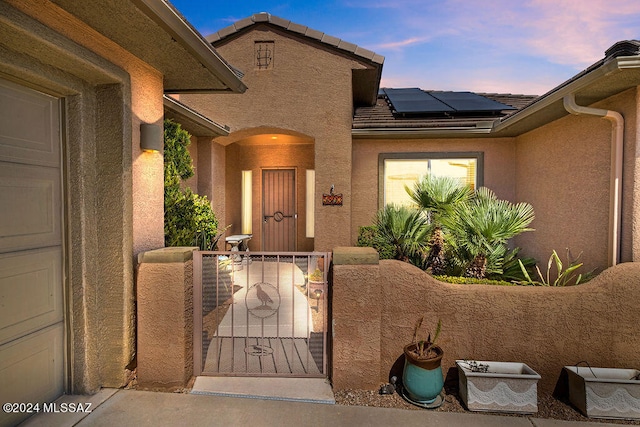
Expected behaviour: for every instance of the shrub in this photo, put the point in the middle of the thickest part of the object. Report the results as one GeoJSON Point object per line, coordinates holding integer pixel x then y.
{"type": "Point", "coordinates": [459, 280]}
{"type": "Point", "coordinates": [452, 230]}
{"type": "Point", "coordinates": [369, 236]}
{"type": "Point", "coordinates": [188, 217]}
{"type": "Point", "coordinates": [480, 231]}
{"type": "Point", "coordinates": [406, 230]}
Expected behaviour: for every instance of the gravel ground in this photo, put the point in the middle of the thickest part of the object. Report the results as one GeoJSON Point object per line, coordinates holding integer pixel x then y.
{"type": "Point", "coordinates": [548, 406]}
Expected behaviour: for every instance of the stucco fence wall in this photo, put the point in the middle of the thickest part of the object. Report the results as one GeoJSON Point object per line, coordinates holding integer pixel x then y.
{"type": "Point", "coordinates": [165, 318]}
{"type": "Point", "coordinates": [375, 306]}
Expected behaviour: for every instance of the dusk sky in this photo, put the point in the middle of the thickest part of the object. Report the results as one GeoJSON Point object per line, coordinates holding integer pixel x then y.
{"type": "Point", "coordinates": [504, 46]}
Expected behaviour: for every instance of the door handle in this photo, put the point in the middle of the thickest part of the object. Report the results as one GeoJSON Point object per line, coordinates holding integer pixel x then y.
{"type": "Point", "coordinates": [278, 216]}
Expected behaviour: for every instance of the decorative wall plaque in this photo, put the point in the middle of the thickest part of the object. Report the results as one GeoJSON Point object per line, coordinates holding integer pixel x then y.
{"type": "Point", "coordinates": [332, 199]}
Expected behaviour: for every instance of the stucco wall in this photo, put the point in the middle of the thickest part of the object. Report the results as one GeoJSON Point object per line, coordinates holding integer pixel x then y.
{"type": "Point", "coordinates": [114, 192]}
{"type": "Point", "coordinates": [165, 318]}
{"type": "Point", "coordinates": [308, 91]}
{"type": "Point", "coordinates": [211, 176]}
{"type": "Point", "coordinates": [563, 170]}
{"type": "Point", "coordinates": [547, 328]}
{"type": "Point", "coordinates": [628, 104]}
{"type": "Point", "coordinates": [499, 168]}
{"type": "Point", "coordinates": [631, 209]}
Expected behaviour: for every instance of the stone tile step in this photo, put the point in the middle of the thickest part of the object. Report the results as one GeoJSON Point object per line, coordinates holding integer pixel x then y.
{"type": "Point", "coordinates": [311, 390]}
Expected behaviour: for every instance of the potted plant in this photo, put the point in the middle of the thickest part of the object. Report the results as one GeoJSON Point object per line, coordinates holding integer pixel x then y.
{"type": "Point", "coordinates": [498, 386]}
{"type": "Point", "coordinates": [605, 392]}
{"type": "Point", "coordinates": [422, 378]}
{"type": "Point", "coordinates": [316, 280]}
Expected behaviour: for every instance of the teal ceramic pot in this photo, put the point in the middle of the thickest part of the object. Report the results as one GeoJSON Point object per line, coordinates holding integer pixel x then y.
{"type": "Point", "coordinates": [422, 379]}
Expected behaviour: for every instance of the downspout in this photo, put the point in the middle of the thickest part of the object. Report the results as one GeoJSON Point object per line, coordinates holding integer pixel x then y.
{"type": "Point", "coordinates": [615, 208]}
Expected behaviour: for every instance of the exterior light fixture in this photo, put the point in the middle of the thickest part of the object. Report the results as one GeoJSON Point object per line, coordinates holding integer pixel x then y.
{"type": "Point", "coordinates": [151, 138]}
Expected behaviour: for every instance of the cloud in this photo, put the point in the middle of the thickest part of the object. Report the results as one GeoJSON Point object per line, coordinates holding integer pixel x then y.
{"type": "Point", "coordinates": [568, 32]}
{"type": "Point", "coordinates": [578, 32]}
{"type": "Point", "coordinates": [402, 43]}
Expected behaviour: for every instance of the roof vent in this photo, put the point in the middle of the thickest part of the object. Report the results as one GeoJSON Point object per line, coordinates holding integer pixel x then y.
{"type": "Point", "coordinates": [623, 48]}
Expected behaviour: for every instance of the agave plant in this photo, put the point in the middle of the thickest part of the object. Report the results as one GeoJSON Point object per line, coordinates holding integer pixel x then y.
{"type": "Point", "coordinates": [563, 276]}
{"type": "Point", "coordinates": [406, 229]}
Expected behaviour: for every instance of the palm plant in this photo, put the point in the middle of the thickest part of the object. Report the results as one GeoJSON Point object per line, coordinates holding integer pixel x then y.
{"type": "Point", "coordinates": [438, 197]}
{"type": "Point", "coordinates": [511, 268]}
{"type": "Point", "coordinates": [481, 228]}
{"type": "Point", "coordinates": [406, 229]}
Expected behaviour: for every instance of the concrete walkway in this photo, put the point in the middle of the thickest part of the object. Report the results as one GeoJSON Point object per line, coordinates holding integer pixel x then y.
{"type": "Point", "coordinates": [112, 407]}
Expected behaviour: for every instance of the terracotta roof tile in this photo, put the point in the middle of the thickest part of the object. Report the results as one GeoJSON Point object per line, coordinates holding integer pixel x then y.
{"type": "Point", "coordinates": [296, 28]}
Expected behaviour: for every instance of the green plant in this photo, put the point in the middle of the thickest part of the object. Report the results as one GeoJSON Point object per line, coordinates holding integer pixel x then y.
{"type": "Point", "coordinates": [439, 196]}
{"type": "Point", "coordinates": [316, 276]}
{"type": "Point", "coordinates": [461, 280]}
{"type": "Point", "coordinates": [454, 231]}
{"type": "Point", "coordinates": [370, 236]}
{"type": "Point", "coordinates": [510, 269]}
{"type": "Point", "coordinates": [563, 277]}
{"type": "Point", "coordinates": [406, 230]}
{"type": "Point", "coordinates": [424, 348]}
{"type": "Point", "coordinates": [470, 230]}
{"type": "Point", "coordinates": [481, 228]}
{"type": "Point", "coordinates": [188, 217]}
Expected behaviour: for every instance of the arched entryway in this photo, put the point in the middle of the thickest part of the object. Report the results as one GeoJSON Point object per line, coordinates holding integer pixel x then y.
{"type": "Point", "coordinates": [268, 174]}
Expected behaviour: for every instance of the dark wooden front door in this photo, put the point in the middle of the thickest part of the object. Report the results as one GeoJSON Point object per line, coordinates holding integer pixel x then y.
{"type": "Point", "coordinates": [279, 210]}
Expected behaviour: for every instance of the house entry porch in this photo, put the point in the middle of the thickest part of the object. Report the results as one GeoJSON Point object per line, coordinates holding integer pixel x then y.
{"type": "Point", "coordinates": [260, 314]}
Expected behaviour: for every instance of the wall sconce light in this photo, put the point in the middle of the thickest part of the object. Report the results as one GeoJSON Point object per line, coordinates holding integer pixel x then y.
{"type": "Point", "coordinates": [151, 138]}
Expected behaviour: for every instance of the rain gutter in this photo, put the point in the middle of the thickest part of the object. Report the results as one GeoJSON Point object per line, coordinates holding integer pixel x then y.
{"type": "Point", "coordinates": [481, 128]}
{"type": "Point", "coordinates": [615, 209]}
{"type": "Point", "coordinates": [580, 81]}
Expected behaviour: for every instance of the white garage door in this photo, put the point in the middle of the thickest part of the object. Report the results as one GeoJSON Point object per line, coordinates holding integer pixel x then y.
{"type": "Point", "coordinates": [31, 286]}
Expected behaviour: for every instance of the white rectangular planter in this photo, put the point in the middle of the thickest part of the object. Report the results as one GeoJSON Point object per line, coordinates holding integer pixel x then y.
{"type": "Point", "coordinates": [605, 392]}
{"type": "Point", "coordinates": [505, 387]}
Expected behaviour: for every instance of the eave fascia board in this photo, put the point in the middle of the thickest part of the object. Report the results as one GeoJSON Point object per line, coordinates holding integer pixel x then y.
{"type": "Point", "coordinates": [163, 14]}
{"type": "Point", "coordinates": [390, 133]}
{"type": "Point", "coordinates": [194, 116]}
{"type": "Point", "coordinates": [569, 87]}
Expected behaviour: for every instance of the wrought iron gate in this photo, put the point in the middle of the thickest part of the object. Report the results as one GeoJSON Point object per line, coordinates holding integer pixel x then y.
{"type": "Point", "coordinates": [260, 314]}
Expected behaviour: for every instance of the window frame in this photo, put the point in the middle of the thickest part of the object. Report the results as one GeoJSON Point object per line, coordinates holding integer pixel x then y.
{"type": "Point", "coordinates": [439, 155]}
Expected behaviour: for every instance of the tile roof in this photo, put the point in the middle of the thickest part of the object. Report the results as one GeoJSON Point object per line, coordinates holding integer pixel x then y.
{"type": "Point", "coordinates": [302, 30]}
{"type": "Point", "coordinates": [380, 115]}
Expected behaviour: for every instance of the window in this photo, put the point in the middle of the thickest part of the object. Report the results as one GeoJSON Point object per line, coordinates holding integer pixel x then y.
{"type": "Point", "coordinates": [398, 170]}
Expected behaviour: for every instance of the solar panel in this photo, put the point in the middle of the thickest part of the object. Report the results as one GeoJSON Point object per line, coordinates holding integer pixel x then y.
{"type": "Point", "coordinates": [417, 101]}
{"type": "Point", "coordinates": [414, 100]}
{"type": "Point", "coordinates": [470, 102]}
